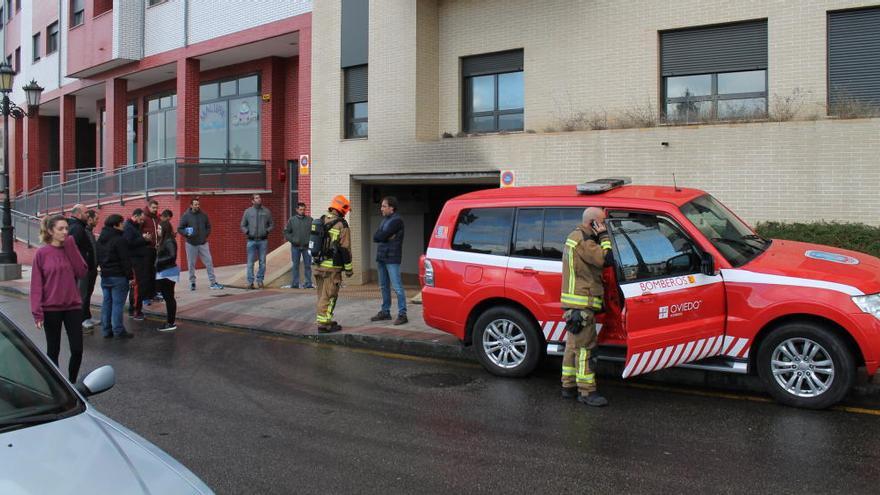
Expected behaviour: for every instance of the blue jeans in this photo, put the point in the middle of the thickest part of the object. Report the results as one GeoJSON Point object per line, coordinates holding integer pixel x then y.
{"type": "Point", "coordinates": [295, 254]}
{"type": "Point", "coordinates": [256, 250]}
{"type": "Point", "coordinates": [115, 293]}
{"type": "Point", "coordinates": [391, 272]}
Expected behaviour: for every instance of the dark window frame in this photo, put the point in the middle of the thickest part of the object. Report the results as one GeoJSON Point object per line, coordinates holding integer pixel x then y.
{"type": "Point", "coordinates": [52, 38]}
{"type": "Point", "coordinates": [17, 60]}
{"type": "Point", "coordinates": [238, 94]}
{"type": "Point", "coordinates": [544, 210]}
{"type": "Point", "coordinates": [153, 3]}
{"type": "Point", "coordinates": [496, 113]}
{"type": "Point", "coordinates": [349, 111]}
{"type": "Point", "coordinates": [36, 44]}
{"type": "Point", "coordinates": [77, 17]}
{"type": "Point", "coordinates": [714, 97]}
{"type": "Point", "coordinates": [162, 109]}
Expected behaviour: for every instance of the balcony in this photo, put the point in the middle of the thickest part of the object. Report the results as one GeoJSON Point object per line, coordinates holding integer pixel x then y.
{"type": "Point", "coordinates": [106, 39]}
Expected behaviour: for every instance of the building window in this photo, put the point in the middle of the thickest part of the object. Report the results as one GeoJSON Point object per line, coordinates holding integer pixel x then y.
{"type": "Point", "coordinates": [131, 133]}
{"type": "Point", "coordinates": [17, 5]}
{"type": "Point", "coordinates": [493, 92]}
{"type": "Point", "coordinates": [52, 38]}
{"type": "Point", "coordinates": [356, 108]}
{"type": "Point", "coordinates": [715, 72]}
{"type": "Point", "coordinates": [2, 13]}
{"type": "Point", "coordinates": [162, 127]}
{"type": "Point", "coordinates": [151, 3]}
{"type": "Point", "coordinates": [36, 46]}
{"type": "Point", "coordinates": [854, 63]}
{"type": "Point", "coordinates": [77, 12]}
{"type": "Point", "coordinates": [229, 119]}
{"type": "Point", "coordinates": [9, 10]}
{"type": "Point", "coordinates": [17, 60]}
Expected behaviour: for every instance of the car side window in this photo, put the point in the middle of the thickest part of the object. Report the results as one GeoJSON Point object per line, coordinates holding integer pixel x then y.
{"type": "Point", "coordinates": [651, 247]}
{"type": "Point", "coordinates": [558, 223]}
{"type": "Point", "coordinates": [529, 226]}
{"type": "Point", "coordinates": [483, 230]}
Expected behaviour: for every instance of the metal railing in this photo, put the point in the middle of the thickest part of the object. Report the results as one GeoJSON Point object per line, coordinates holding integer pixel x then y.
{"type": "Point", "coordinates": [26, 228]}
{"type": "Point", "coordinates": [170, 175]}
{"type": "Point", "coordinates": [54, 178]}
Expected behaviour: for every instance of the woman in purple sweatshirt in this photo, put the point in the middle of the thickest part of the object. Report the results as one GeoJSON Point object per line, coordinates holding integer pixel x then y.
{"type": "Point", "coordinates": [55, 298]}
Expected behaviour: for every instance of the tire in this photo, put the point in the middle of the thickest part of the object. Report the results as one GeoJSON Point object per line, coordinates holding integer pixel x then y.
{"type": "Point", "coordinates": [507, 342]}
{"type": "Point", "coordinates": [821, 369]}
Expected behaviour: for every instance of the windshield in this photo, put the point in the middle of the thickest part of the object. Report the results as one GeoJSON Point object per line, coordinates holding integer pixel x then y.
{"type": "Point", "coordinates": [30, 392]}
{"type": "Point", "coordinates": [731, 237]}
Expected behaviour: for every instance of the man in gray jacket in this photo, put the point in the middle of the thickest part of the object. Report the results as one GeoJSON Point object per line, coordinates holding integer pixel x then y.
{"type": "Point", "coordinates": [297, 232]}
{"type": "Point", "coordinates": [195, 227]}
{"type": "Point", "coordinates": [256, 223]}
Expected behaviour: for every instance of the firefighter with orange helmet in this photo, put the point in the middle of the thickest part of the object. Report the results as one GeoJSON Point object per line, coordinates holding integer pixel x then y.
{"type": "Point", "coordinates": [334, 258]}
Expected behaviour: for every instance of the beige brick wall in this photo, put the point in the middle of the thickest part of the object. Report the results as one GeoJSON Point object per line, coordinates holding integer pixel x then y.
{"type": "Point", "coordinates": [589, 55]}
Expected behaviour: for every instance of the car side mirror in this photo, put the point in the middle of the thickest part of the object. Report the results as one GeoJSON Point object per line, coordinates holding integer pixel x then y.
{"type": "Point", "coordinates": [100, 380]}
{"type": "Point", "coordinates": [707, 264]}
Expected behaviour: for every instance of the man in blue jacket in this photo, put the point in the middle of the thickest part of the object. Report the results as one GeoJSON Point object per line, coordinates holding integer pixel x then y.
{"type": "Point", "coordinates": [390, 249]}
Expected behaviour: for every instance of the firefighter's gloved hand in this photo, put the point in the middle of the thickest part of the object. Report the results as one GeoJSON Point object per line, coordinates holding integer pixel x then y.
{"type": "Point", "coordinates": [575, 322]}
{"type": "Point", "coordinates": [349, 274]}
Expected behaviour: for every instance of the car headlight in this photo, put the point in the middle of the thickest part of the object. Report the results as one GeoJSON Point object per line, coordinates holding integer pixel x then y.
{"type": "Point", "coordinates": [869, 304]}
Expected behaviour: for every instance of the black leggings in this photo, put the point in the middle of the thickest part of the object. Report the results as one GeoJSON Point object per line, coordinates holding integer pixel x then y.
{"type": "Point", "coordinates": [72, 320]}
{"type": "Point", "coordinates": [166, 287]}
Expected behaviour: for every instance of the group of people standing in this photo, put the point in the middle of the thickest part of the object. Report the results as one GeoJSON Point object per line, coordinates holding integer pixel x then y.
{"type": "Point", "coordinates": [137, 259]}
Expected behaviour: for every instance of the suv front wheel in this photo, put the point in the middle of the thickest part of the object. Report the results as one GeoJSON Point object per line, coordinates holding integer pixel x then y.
{"type": "Point", "coordinates": [806, 365]}
{"type": "Point", "coordinates": [507, 342]}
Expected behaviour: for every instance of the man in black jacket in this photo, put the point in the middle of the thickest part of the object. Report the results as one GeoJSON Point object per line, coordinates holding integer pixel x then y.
{"type": "Point", "coordinates": [388, 255]}
{"type": "Point", "coordinates": [85, 243]}
{"type": "Point", "coordinates": [113, 258]}
{"type": "Point", "coordinates": [138, 243]}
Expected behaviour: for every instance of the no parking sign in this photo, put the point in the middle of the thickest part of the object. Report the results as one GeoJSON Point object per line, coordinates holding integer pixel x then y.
{"type": "Point", "coordinates": [508, 178]}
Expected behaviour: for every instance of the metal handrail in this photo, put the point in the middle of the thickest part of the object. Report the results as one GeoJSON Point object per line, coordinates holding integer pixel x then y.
{"type": "Point", "coordinates": [161, 175]}
{"type": "Point", "coordinates": [28, 224]}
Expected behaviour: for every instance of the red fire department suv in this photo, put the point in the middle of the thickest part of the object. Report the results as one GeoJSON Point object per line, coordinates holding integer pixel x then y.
{"type": "Point", "coordinates": [692, 286]}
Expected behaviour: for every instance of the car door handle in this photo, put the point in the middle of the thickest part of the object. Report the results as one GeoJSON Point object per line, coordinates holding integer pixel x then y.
{"type": "Point", "coordinates": [526, 271]}
{"type": "Point", "coordinates": [647, 298]}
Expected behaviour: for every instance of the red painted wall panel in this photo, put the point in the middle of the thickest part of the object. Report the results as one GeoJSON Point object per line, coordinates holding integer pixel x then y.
{"type": "Point", "coordinates": [91, 43]}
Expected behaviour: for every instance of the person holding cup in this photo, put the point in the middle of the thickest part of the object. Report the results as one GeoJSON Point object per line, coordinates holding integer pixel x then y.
{"type": "Point", "coordinates": [196, 228]}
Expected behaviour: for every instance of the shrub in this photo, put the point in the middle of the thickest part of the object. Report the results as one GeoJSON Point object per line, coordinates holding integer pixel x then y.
{"type": "Point", "coordinates": [852, 236]}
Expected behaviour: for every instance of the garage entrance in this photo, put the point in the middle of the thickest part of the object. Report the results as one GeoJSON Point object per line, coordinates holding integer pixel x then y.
{"type": "Point", "coordinates": [421, 198]}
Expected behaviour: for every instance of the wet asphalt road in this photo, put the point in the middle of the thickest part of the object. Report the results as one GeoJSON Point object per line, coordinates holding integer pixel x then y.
{"type": "Point", "coordinates": [255, 414]}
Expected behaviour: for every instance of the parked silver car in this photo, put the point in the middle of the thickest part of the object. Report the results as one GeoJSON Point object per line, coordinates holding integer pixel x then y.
{"type": "Point", "coordinates": [53, 441]}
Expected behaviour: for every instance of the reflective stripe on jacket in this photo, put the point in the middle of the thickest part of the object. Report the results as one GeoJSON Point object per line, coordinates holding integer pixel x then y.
{"type": "Point", "coordinates": [583, 257]}
{"type": "Point", "coordinates": [340, 237]}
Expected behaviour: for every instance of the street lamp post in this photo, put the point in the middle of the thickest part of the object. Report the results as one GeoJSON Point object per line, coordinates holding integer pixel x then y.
{"type": "Point", "coordinates": [32, 91]}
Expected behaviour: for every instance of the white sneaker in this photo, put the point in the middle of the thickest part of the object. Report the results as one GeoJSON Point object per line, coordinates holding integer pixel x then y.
{"type": "Point", "coordinates": [88, 324]}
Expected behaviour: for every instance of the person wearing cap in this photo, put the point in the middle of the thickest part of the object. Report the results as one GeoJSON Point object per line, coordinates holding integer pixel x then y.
{"type": "Point", "coordinates": [256, 224]}
{"type": "Point", "coordinates": [334, 259]}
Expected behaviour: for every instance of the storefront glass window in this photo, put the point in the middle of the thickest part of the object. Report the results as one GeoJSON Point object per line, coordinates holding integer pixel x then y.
{"type": "Point", "coordinates": [229, 119]}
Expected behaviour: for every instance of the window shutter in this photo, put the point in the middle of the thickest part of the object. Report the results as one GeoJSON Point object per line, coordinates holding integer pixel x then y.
{"type": "Point", "coordinates": [492, 63]}
{"type": "Point", "coordinates": [724, 48]}
{"type": "Point", "coordinates": [854, 55]}
{"type": "Point", "coordinates": [356, 84]}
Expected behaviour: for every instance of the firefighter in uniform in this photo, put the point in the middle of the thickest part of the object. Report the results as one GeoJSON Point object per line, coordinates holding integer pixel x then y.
{"type": "Point", "coordinates": [328, 272]}
{"type": "Point", "coordinates": [587, 250]}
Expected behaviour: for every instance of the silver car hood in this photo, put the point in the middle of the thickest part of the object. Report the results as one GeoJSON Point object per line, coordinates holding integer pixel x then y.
{"type": "Point", "coordinates": [89, 453]}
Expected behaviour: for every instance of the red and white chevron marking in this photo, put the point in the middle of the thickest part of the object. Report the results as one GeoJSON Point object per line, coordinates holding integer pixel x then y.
{"type": "Point", "coordinates": [554, 331]}
{"type": "Point", "coordinates": [674, 355]}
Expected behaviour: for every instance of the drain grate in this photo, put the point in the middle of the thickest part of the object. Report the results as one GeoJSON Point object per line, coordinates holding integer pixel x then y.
{"type": "Point", "coordinates": [439, 380]}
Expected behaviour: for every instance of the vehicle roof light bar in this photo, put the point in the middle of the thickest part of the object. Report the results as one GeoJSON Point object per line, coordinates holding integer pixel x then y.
{"type": "Point", "coordinates": [602, 185]}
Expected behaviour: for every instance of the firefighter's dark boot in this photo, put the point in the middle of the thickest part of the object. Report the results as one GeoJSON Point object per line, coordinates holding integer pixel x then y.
{"type": "Point", "coordinates": [569, 392]}
{"type": "Point", "coordinates": [593, 399]}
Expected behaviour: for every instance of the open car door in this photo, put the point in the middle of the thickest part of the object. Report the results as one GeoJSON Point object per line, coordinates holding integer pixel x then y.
{"type": "Point", "coordinates": [673, 313]}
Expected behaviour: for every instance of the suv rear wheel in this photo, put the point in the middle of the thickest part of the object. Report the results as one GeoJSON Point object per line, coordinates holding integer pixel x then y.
{"type": "Point", "coordinates": [806, 365]}
{"type": "Point", "coordinates": [507, 342]}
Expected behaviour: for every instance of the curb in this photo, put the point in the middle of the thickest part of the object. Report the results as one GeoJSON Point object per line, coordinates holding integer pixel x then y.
{"type": "Point", "coordinates": [379, 343]}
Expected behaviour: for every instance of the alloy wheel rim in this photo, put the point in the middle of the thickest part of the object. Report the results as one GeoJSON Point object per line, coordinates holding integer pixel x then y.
{"type": "Point", "coordinates": [802, 367]}
{"type": "Point", "coordinates": [505, 344]}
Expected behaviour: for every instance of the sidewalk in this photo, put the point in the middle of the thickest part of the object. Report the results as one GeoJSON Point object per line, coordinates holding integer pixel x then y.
{"type": "Point", "coordinates": [292, 312]}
